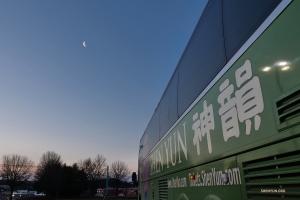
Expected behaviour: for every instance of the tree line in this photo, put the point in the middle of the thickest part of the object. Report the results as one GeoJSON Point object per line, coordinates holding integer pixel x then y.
{"type": "Point", "coordinates": [53, 177]}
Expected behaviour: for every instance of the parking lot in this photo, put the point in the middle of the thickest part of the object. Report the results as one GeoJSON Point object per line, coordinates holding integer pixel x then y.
{"type": "Point", "coordinates": [16, 196]}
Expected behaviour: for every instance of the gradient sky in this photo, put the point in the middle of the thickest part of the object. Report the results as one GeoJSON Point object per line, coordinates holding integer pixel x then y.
{"type": "Point", "coordinates": [57, 95]}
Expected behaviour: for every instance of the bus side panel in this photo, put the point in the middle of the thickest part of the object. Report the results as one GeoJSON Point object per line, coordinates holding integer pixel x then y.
{"type": "Point", "coordinates": [254, 104]}
{"type": "Point", "coordinates": [144, 190]}
{"type": "Point", "coordinates": [144, 176]}
{"type": "Point", "coordinates": [271, 172]}
{"type": "Point", "coordinates": [214, 181]}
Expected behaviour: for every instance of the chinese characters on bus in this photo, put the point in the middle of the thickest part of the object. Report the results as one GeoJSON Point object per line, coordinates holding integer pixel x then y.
{"type": "Point", "coordinates": [236, 105]}
{"type": "Point", "coordinates": [203, 126]}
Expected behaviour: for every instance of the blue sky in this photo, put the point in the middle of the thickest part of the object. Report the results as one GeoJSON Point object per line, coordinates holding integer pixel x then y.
{"type": "Point", "coordinates": [57, 95]}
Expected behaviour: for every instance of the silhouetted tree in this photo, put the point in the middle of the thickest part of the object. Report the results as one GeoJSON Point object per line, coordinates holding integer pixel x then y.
{"type": "Point", "coordinates": [15, 170]}
{"type": "Point", "coordinates": [94, 169]}
{"type": "Point", "coordinates": [119, 171]}
{"type": "Point", "coordinates": [72, 181]}
{"type": "Point", "coordinates": [48, 173]}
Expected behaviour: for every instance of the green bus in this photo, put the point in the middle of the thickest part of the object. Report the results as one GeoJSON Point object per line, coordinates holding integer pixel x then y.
{"type": "Point", "coordinates": [227, 126]}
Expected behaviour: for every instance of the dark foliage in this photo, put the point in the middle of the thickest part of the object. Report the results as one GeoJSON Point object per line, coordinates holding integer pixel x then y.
{"type": "Point", "coordinates": [47, 178]}
{"type": "Point", "coordinates": [57, 179]}
{"type": "Point", "coordinates": [72, 181]}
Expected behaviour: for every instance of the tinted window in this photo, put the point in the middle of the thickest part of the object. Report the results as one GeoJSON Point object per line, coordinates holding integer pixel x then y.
{"type": "Point", "coordinates": [168, 106]}
{"type": "Point", "coordinates": [152, 132]}
{"type": "Point", "coordinates": [144, 146]}
{"type": "Point", "coordinates": [241, 19]}
{"type": "Point", "coordinates": [204, 56]}
{"type": "Point", "coordinates": [141, 150]}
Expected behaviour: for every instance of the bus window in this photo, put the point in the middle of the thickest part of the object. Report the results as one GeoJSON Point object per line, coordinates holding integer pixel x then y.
{"type": "Point", "coordinates": [241, 19]}
{"type": "Point", "coordinates": [168, 106]}
{"type": "Point", "coordinates": [203, 58]}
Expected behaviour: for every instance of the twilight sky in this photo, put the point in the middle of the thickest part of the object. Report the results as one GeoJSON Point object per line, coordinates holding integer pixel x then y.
{"type": "Point", "coordinates": [57, 95]}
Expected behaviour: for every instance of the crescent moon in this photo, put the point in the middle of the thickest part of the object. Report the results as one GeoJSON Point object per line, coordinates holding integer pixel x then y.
{"type": "Point", "coordinates": [84, 44]}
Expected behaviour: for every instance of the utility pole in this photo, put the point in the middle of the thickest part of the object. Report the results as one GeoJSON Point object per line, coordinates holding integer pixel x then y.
{"type": "Point", "coordinates": [107, 177]}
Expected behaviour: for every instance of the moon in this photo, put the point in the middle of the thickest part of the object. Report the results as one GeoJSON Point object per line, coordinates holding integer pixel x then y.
{"type": "Point", "coordinates": [84, 44]}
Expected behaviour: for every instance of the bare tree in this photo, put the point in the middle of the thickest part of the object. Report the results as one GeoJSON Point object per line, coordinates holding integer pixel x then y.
{"type": "Point", "coordinates": [16, 170]}
{"type": "Point", "coordinates": [50, 158]}
{"type": "Point", "coordinates": [48, 172]}
{"type": "Point", "coordinates": [95, 170]}
{"type": "Point", "coordinates": [119, 171]}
